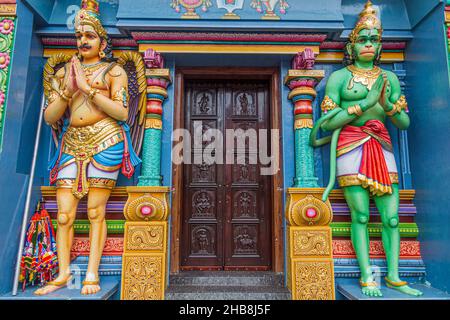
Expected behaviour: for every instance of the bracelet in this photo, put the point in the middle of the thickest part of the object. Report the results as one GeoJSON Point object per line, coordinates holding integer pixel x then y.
{"type": "Point", "coordinates": [394, 111]}
{"type": "Point", "coordinates": [356, 109]}
{"type": "Point", "coordinates": [92, 93]}
{"type": "Point", "coordinates": [62, 95]}
{"type": "Point", "coordinates": [400, 105]}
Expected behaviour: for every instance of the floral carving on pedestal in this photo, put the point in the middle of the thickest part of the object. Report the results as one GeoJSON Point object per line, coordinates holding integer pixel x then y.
{"type": "Point", "coordinates": [7, 28]}
{"type": "Point", "coordinates": [314, 280]}
{"type": "Point", "coordinates": [144, 277]}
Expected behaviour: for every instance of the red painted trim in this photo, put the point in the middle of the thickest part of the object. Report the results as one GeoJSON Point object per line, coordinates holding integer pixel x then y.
{"type": "Point", "coordinates": [408, 249]}
{"type": "Point", "coordinates": [210, 36]}
{"type": "Point", "coordinates": [72, 42]}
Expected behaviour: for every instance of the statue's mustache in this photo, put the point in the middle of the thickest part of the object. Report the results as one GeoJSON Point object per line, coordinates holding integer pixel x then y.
{"type": "Point", "coordinates": [85, 46]}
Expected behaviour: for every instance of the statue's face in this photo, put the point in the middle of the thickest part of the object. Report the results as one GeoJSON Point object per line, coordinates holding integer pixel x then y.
{"type": "Point", "coordinates": [368, 45]}
{"type": "Point", "coordinates": [88, 42]}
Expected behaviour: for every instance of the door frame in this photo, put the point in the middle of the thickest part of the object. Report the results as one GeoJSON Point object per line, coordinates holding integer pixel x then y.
{"type": "Point", "coordinates": [272, 74]}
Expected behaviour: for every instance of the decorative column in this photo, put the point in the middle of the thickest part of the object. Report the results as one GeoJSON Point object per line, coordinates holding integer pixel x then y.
{"type": "Point", "coordinates": [302, 80]}
{"type": "Point", "coordinates": [144, 261]}
{"type": "Point", "coordinates": [309, 252]}
{"type": "Point", "coordinates": [158, 79]}
{"type": "Point", "coordinates": [7, 35]}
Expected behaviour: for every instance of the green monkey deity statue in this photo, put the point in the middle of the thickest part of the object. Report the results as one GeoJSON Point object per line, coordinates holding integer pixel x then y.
{"type": "Point", "coordinates": [359, 98]}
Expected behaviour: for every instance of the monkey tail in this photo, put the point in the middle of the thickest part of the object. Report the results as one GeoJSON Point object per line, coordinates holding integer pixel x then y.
{"type": "Point", "coordinates": [333, 139]}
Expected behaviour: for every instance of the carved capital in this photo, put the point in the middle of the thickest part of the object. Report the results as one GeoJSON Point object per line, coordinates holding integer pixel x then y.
{"type": "Point", "coordinates": [8, 8]}
{"type": "Point", "coordinates": [158, 80]}
{"type": "Point", "coordinates": [306, 208]}
{"type": "Point", "coordinates": [147, 204]}
{"type": "Point", "coordinates": [310, 78]}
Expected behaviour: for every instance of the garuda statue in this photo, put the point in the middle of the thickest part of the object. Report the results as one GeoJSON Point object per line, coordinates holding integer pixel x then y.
{"type": "Point", "coordinates": [96, 106]}
{"type": "Point", "coordinates": [359, 99]}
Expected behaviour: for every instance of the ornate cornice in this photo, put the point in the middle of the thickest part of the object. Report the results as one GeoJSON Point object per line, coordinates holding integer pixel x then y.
{"type": "Point", "coordinates": [8, 8]}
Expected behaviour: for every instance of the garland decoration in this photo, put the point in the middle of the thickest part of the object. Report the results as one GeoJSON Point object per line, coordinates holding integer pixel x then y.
{"type": "Point", "coordinates": [39, 263]}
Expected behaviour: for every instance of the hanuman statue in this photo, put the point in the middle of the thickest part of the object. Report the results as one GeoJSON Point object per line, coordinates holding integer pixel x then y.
{"type": "Point", "coordinates": [359, 99]}
{"type": "Point", "coordinates": [88, 104]}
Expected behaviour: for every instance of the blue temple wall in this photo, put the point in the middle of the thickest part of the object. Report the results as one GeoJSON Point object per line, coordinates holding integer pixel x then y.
{"type": "Point", "coordinates": [428, 92]}
{"type": "Point", "coordinates": [22, 112]}
{"type": "Point", "coordinates": [420, 21]}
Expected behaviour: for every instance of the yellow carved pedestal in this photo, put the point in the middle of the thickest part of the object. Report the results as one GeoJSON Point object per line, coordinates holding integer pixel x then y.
{"type": "Point", "coordinates": [145, 244]}
{"type": "Point", "coordinates": [310, 253]}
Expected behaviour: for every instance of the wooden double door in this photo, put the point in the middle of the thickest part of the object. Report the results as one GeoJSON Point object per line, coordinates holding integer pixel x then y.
{"type": "Point", "coordinates": [226, 212]}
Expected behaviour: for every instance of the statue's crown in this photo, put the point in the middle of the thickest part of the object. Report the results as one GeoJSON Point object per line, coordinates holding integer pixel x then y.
{"type": "Point", "coordinates": [90, 5]}
{"type": "Point", "coordinates": [90, 15]}
{"type": "Point", "coordinates": [368, 19]}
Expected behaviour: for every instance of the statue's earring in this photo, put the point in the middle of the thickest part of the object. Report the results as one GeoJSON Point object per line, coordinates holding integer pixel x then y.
{"type": "Point", "coordinates": [102, 54]}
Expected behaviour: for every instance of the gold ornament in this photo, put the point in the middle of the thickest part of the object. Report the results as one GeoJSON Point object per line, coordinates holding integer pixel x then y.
{"type": "Point", "coordinates": [400, 105]}
{"type": "Point", "coordinates": [368, 19]}
{"type": "Point", "coordinates": [356, 109]}
{"type": "Point", "coordinates": [121, 95]}
{"type": "Point", "coordinates": [299, 206]}
{"type": "Point", "coordinates": [328, 104]}
{"type": "Point", "coordinates": [90, 69]}
{"type": "Point", "coordinates": [92, 93]}
{"type": "Point", "coordinates": [365, 77]}
{"type": "Point", "coordinates": [102, 55]}
{"type": "Point", "coordinates": [155, 198]}
{"type": "Point", "coordinates": [302, 123]}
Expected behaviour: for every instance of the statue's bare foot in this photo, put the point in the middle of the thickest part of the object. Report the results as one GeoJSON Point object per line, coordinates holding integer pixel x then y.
{"type": "Point", "coordinates": [370, 288]}
{"type": "Point", "coordinates": [60, 282]}
{"type": "Point", "coordinates": [402, 286]}
{"type": "Point", "coordinates": [90, 287]}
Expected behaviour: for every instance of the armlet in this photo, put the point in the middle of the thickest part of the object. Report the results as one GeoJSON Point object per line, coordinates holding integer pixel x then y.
{"type": "Point", "coordinates": [328, 104]}
{"type": "Point", "coordinates": [121, 95]}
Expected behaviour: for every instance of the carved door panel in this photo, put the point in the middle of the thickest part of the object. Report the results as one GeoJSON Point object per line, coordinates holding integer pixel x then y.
{"type": "Point", "coordinates": [247, 208]}
{"type": "Point", "coordinates": [226, 209]}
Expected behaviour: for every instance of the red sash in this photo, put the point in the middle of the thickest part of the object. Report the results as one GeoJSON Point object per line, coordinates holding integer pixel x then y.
{"type": "Point", "coordinates": [373, 171]}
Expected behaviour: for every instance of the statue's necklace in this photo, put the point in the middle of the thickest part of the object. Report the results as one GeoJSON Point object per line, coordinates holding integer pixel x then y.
{"type": "Point", "coordinates": [90, 69]}
{"type": "Point", "coordinates": [365, 77]}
